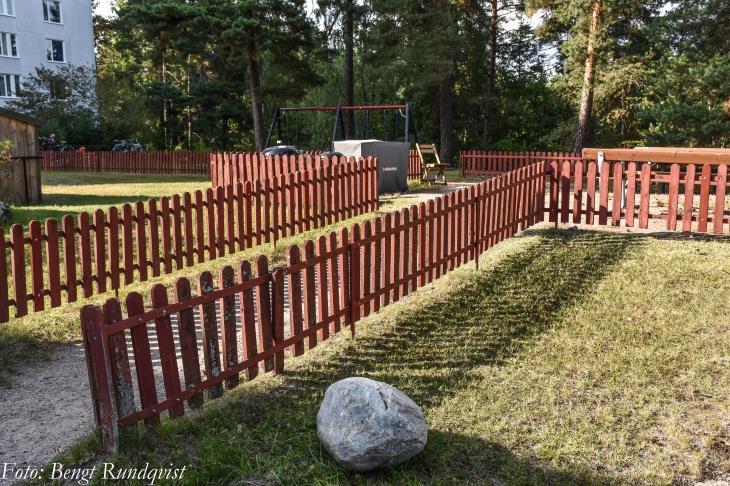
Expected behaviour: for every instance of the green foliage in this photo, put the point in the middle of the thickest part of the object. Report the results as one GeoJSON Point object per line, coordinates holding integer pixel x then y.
{"type": "Point", "coordinates": [64, 100]}
{"type": "Point", "coordinates": [6, 151]}
{"type": "Point", "coordinates": [176, 74]}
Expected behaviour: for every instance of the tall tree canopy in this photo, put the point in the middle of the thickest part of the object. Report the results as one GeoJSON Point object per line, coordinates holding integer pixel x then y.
{"type": "Point", "coordinates": [500, 74]}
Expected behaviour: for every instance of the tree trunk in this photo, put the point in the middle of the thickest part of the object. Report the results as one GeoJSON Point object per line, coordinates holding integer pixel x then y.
{"type": "Point", "coordinates": [586, 98]}
{"type": "Point", "coordinates": [446, 88]}
{"type": "Point", "coordinates": [349, 34]}
{"type": "Point", "coordinates": [446, 115]}
{"type": "Point", "coordinates": [255, 76]}
{"type": "Point", "coordinates": [490, 109]}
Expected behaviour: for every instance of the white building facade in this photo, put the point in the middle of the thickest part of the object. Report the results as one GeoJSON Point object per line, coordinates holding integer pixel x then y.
{"type": "Point", "coordinates": [48, 33]}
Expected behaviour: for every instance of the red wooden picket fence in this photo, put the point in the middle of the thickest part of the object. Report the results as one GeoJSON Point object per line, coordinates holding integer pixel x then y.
{"type": "Point", "coordinates": [492, 163]}
{"type": "Point", "coordinates": [110, 248]}
{"type": "Point", "coordinates": [415, 167]}
{"type": "Point", "coordinates": [227, 167]}
{"type": "Point", "coordinates": [230, 168]}
{"type": "Point", "coordinates": [176, 162]}
{"type": "Point", "coordinates": [687, 197]}
{"type": "Point", "coordinates": [327, 285]}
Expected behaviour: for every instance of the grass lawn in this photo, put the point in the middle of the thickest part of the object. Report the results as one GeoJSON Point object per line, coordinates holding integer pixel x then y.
{"type": "Point", "coordinates": [569, 357]}
{"type": "Point", "coordinates": [75, 192]}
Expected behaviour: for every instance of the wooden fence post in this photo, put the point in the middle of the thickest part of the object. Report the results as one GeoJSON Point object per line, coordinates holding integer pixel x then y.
{"type": "Point", "coordinates": [100, 378]}
{"type": "Point", "coordinates": [354, 257]}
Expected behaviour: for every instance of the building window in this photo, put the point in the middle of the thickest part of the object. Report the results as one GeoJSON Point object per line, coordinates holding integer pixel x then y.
{"type": "Point", "coordinates": [6, 7]}
{"type": "Point", "coordinates": [54, 50]}
{"type": "Point", "coordinates": [9, 85]}
{"type": "Point", "coordinates": [52, 11]}
{"type": "Point", "coordinates": [8, 45]}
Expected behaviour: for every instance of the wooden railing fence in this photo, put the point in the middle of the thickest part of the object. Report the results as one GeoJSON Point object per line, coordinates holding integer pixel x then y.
{"type": "Point", "coordinates": [177, 162]}
{"type": "Point", "coordinates": [493, 163]}
{"type": "Point", "coordinates": [329, 284]}
{"type": "Point", "coordinates": [103, 251]}
{"type": "Point", "coordinates": [689, 197]}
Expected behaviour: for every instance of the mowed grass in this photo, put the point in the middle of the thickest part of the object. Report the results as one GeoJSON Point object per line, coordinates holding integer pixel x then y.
{"type": "Point", "coordinates": [569, 357]}
{"type": "Point", "coordinates": [75, 192]}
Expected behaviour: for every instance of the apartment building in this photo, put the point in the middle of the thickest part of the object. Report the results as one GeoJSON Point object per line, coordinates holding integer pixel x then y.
{"type": "Point", "coordinates": [46, 33]}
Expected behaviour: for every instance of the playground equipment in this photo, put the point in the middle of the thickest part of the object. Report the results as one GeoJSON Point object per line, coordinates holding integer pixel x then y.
{"type": "Point", "coordinates": [308, 134]}
{"type": "Point", "coordinates": [433, 172]}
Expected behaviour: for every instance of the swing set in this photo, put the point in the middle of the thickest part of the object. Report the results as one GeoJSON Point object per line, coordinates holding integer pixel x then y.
{"type": "Point", "coordinates": [312, 134]}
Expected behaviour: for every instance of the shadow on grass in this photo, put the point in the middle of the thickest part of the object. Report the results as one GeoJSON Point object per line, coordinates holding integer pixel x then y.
{"type": "Point", "coordinates": [24, 214]}
{"type": "Point", "coordinates": [427, 352]}
{"type": "Point", "coordinates": [63, 178]}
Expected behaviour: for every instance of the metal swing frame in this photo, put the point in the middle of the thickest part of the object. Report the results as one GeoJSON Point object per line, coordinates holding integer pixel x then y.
{"type": "Point", "coordinates": [339, 123]}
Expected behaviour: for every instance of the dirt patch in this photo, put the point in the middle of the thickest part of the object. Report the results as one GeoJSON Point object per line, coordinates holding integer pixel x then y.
{"type": "Point", "coordinates": [46, 409]}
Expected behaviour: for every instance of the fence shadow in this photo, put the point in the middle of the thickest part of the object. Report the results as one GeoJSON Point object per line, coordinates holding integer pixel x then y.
{"type": "Point", "coordinates": [427, 352]}
{"type": "Point", "coordinates": [25, 214]}
{"type": "Point", "coordinates": [81, 178]}
{"type": "Point", "coordinates": [490, 316]}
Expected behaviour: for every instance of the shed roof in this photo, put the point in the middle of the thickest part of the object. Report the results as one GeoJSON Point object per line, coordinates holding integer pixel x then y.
{"type": "Point", "coordinates": [20, 116]}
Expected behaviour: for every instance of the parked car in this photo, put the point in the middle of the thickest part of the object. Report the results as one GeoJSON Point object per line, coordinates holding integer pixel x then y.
{"type": "Point", "coordinates": [281, 150]}
{"type": "Point", "coordinates": [127, 146]}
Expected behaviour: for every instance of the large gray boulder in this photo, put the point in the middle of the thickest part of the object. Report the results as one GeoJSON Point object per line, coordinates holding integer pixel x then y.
{"type": "Point", "coordinates": [365, 424]}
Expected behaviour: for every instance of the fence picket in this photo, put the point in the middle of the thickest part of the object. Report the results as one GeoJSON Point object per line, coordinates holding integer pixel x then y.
{"type": "Point", "coordinates": [248, 318]}
{"type": "Point", "coordinates": [645, 194]}
{"type": "Point", "coordinates": [85, 254]}
{"type": "Point", "coordinates": [705, 181]}
{"type": "Point", "coordinates": [142, 358]}
{"type": "Point", "coordinates": [36, 265]}
{"type": "Point", "coordinates": [227, 304]}
{"type": "Point", "coordinates": [263, 301]}
{"type": "Point", "coordinates": [4, 297]}
{"type": "Point", "coordinates": [166, 345]}
{"type": "Point", "coordinates": [119, 361]}
{"type": "Point", "coordinates": [310, 308]}
{"type": "Point", "coordinates": [188, 341]}
{"type": "Point", "coordinates": [718, 218]}
{"type": "Point", "coordinates": [209, 325]}
{"type": "Point", "coordinates": [673, 197]}
{"type": "Point", "coordinates": [278, 317]}
{"type": "Point", "coordinates": [604, 185]}
{"type": "Point", "coordinates": [295, 299]}
{"type": "Point", "coordinates": [689, 195]}
{"type": "Point", "coordinates": [630, 193]}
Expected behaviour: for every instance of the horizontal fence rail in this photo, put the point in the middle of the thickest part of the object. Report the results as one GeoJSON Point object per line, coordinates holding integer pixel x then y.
{"type": "Point", "coordinates": [176, 162]}
{"type": "Point", "coordinates": [212, 333]}
{"type": "Point", "coordinates": [688, 197]}
{"type": "Point", "coordinates": [54, 262]}
{"type": "Point", "coordinates": [493, 163]}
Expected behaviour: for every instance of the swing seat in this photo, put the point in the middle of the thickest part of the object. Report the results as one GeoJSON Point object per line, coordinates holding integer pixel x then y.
{"type": "Point", "coordinates": [432, 172]}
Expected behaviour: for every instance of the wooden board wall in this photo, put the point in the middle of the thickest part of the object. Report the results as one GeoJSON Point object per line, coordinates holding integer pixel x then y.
{"type": "Point", "coordinates": [20, 180]}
